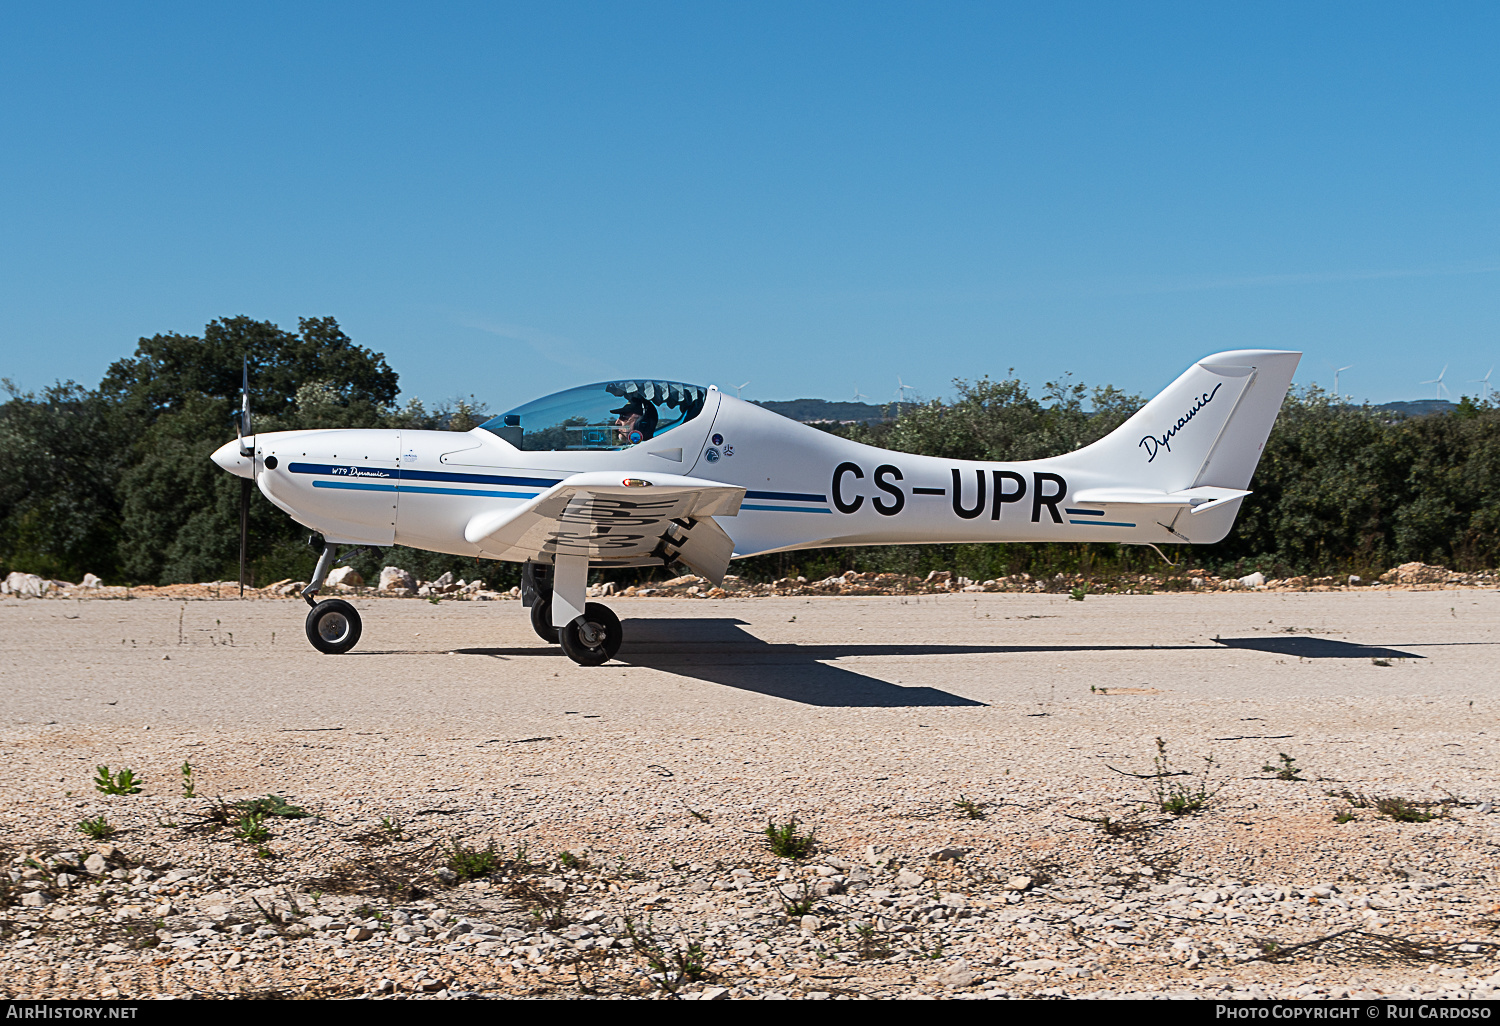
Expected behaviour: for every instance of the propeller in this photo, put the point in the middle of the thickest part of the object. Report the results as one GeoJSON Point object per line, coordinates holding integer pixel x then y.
{"type": "Point", "coordinates": [243, 418]}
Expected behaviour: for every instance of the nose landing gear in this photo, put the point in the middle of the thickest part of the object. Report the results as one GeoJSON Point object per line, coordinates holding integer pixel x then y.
{"type": "Point", "coordinates": [333, 626]}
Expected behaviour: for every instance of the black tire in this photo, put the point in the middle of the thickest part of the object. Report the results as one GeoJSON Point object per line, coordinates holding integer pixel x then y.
{"type": "Point", "coordinates": [333, 626]}
{"type": "Point", "coordinates": [541, 620]}
{"type": "Point", "coordinates": [593, 638]}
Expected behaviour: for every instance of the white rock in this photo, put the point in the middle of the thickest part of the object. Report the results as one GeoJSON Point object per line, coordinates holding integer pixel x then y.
{"type": "Point", "coordinates": [1254, 580]}
{"type": "Point", "coordinates": [25, 585]}
{"type": "Point", "coordinates": [90, 581]}
{"type": "Point", "coordinates": [393, 578]}
{"type": "Point", "coordinates": [345, 577]}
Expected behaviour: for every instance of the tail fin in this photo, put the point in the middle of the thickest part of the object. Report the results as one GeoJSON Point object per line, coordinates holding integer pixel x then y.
{"type": "Point", "coordinates": [1205, 430]}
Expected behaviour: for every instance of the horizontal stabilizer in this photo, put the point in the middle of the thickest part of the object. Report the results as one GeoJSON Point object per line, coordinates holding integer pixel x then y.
{"type": "Point", "coordinates": [1200, 499]}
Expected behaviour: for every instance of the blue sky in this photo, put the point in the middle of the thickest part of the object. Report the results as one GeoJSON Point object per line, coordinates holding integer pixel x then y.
{"type": "Point", "coordinates": [510, 199]}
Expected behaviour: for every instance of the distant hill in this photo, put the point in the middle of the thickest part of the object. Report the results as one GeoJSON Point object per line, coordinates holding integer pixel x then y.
{"type": "Point", "coordinates": [1419, 407]}
{"type": "Point", "coordinates": [825, 411]}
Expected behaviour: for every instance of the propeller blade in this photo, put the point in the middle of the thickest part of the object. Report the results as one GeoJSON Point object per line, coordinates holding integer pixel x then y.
{"type": "Point", "coordinates": [244, 528]}
{"type": "Point", "coordinates": [245, 482]}
{"type": "Point", "coordinates": [244, 417]}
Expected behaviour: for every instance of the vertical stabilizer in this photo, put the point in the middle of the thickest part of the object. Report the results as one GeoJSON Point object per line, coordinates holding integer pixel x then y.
{"type": "Point", "coordinates": [1207, 428]}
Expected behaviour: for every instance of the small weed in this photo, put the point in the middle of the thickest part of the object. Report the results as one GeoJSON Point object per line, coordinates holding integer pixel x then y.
{"type": "Point", "coordinates": [798, 904]}
{"type": "Point", "coordinates": [674, 962]}
{"type": "Point", "coordinates": [869, 942]}
{"type": "Point", "coordinates": [1129, 826]}
{"type": "Point", "coordinates": [271, 805]}
{"type": "Point", "coordinates": [252, 828]}
{"type": "Point", "coordinates": [546, 906]}
{"type": "Point", "coordinates": [1178, 799]}
{"type": "Point", "coordinates": [1078, 593]}
{"type": "Point", "coordinates": [1288, 770]}
{"type": "Point", "coordinates": [471, 863]}
{"type": "Point", "coordinates": [97, 829]}
{"type": "Point", "coordinates": [189, 789]}
{"type": "Point", "coordinates": [970, 808]}
{"type": "Point", "coordinates": [264, 853]}
{"type": "Point", "coordinates": [567, 860]}
{"type": "Point", "coordinates": [1403, 811]}
{"type": "Point", "coordinates": [123, 782]}
{"type": "Point", "coordinates": [393, 828]}
{"type": "Point", "coordinates": [1344, 816]}
{"type": "Point", "coordinates": [787, 841]}
{"type": "Point", "coordinates": [1380, 662]}
{"type": "Point", "coordinates": [433, 599]}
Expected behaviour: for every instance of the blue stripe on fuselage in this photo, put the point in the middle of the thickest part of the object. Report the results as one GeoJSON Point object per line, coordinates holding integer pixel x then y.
{"type": "Point", "coordinates": [787, 496]}
{"type": "Point", "coordinates": [788, 509]}
{"type": "Point", "coordinates": [355, 471]}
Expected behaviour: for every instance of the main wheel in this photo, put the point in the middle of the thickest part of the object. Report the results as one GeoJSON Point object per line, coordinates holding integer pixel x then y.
{"type": "Point", "coordinates": [333, 626]}
{"type": "Point", "coordinates": [541, 620]}
{"type": "Point", "coordinates": [593, 638]}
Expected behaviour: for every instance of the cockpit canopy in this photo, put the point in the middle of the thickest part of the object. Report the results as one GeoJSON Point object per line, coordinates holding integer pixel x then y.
{"type": "Point", "coordinates": [606, 416]}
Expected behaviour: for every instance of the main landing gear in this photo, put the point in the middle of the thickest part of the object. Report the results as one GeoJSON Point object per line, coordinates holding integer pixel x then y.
{"type": "Point", "coordinates": [591, 636]}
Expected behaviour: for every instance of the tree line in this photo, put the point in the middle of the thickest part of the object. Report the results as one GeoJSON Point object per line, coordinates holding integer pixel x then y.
{"type": "Point", "coordinates": [116, 479]}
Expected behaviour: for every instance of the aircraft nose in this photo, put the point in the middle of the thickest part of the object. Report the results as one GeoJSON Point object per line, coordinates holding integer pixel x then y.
{"type": "Point", "coordinates": [228, 456]}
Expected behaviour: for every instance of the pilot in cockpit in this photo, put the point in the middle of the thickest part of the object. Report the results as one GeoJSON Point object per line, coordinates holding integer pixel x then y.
{"type": "Point", "coordinates": [637, 420]}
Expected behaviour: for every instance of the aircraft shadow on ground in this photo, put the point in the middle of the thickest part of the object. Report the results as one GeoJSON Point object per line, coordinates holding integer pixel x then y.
{"type": "Point", "coordinates": [723, 652]}
{"type": "Point", "coordinates": [1316, 648]}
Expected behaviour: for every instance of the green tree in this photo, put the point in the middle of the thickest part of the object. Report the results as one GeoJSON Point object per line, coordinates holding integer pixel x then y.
{"type": "Point", "coordinates": [59, 504]}
{"type": "Point", "coordinates": [179, 512]}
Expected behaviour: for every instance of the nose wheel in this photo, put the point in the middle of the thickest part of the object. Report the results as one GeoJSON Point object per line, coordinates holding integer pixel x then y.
{"type": "Point", "coordinates": [333, 626]}
{"type": "Point", "coordinates": [593, 638]}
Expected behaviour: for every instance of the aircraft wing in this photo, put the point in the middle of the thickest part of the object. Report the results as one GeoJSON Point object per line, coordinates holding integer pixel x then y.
{"type": "Point", "coordinates": [608, 516]}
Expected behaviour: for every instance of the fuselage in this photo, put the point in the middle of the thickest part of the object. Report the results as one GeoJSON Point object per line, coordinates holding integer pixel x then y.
{"type": "Point", "coordinates": [804, 488]}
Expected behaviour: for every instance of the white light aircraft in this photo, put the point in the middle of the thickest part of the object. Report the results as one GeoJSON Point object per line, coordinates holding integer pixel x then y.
{"type": "Point", "coordinates": [642, 472]}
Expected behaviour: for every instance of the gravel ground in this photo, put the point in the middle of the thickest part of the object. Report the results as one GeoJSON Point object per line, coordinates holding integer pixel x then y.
{"type": "Point", "coordinates": [977, 771]}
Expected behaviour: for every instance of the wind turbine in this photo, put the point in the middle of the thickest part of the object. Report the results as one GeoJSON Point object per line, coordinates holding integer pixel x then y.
{"type": "Point", "coordinates": [1485, 381]}
{"type": "Point", "coordinates": [1438, 381]}
{"type": "Point", "coordinates": [901, 389]}
{"type": "Point", "coordinates": [737, 389]}
{"type": "Point", "coordinates": [858, 395]}
{"type": "Point", "coordinates": [1336, 372]}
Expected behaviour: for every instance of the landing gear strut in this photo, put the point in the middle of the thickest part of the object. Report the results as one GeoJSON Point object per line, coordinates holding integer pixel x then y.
{"type": "Point", "coordinates": [589, 632]}
{"type": "Point", "coordinates": [333, 625]}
